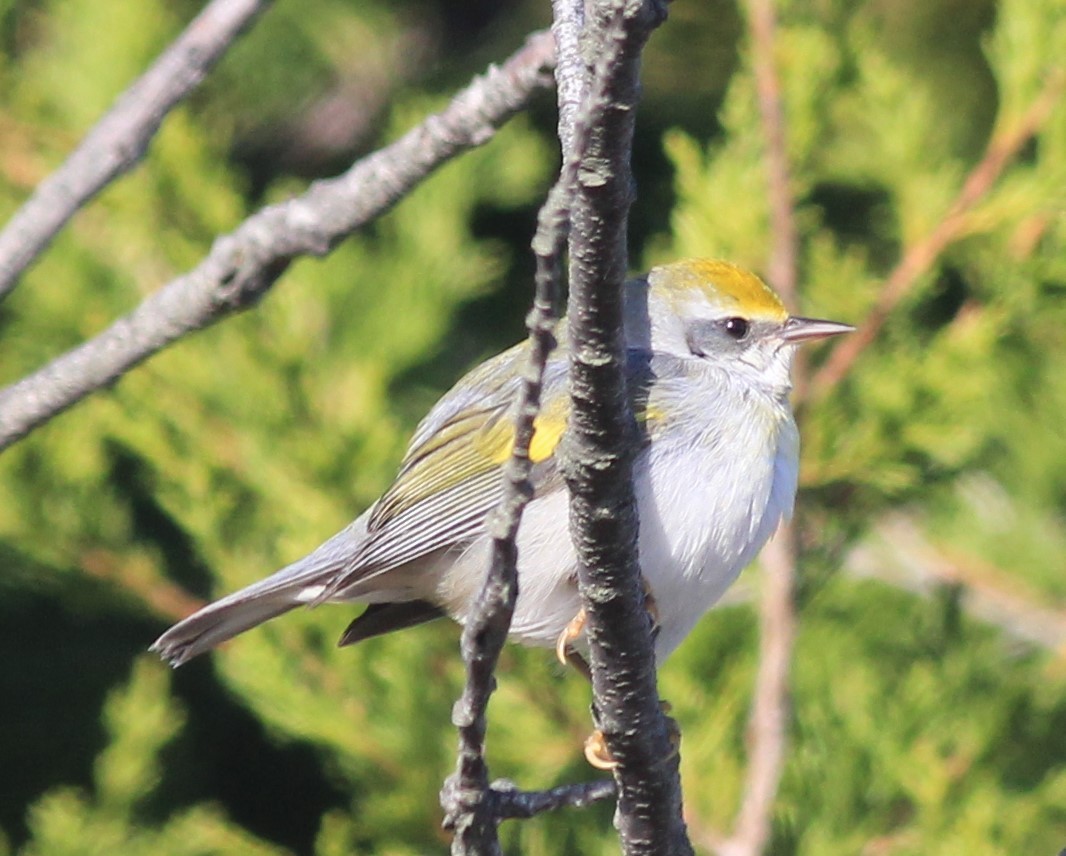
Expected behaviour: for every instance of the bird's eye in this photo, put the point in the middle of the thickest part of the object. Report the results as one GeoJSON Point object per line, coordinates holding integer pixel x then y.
{"type": "Point", "coordinates": [737, 328]}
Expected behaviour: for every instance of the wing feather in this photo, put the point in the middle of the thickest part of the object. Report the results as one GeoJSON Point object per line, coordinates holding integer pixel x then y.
{"type": "Point", "coordinates": [451, 476]}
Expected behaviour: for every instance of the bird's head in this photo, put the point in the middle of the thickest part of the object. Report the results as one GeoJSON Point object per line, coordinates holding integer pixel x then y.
{"type": "Point", "coordinates": [718, 313]}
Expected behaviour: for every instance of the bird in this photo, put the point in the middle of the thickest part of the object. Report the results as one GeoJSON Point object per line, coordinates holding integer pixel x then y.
{"type": "Point", "coordinates": [709, 348]}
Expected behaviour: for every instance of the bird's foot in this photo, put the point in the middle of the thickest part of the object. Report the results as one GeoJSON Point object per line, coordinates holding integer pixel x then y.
{"type": "Point", "coordinates": [597, 753]}
{"type": "Point", "coordinates": [651, 607]}
{"type": "Point", "coordinates": [673, 730]}
{"type": "Point", "coordinates": [563, 645]}
{"type": "Point", "coordinates": [600, 757]}
{"type": "Point", "coordinates": [563, 650]}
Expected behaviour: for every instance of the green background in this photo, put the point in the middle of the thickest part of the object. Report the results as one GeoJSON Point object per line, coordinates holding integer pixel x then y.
{"type": "Point", "coordinates": [918, 727]}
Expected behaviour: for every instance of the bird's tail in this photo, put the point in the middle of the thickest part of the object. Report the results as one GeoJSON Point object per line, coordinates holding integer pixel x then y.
{"type": "Point", "coordinates": [216, 623]}
{"type": "Point", "coordinates": [302, 582]}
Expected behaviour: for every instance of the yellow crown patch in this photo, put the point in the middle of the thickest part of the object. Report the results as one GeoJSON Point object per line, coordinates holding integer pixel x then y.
{"type": "Point", "coordinates": [721, 284]}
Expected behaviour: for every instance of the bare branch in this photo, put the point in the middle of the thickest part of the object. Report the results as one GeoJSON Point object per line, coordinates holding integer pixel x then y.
{"type": "Point", "coordinates": [514, 804]}
{"type": "Point", "coordinates": [600, 446]}
{"type": "Point", "coordinates": [781, 270]}
{"type": "Point", "coordinates": [899, 553]}
{"type": "Point", "coordinates": [572, 73]}
{"type": "Point", "coordinates": [164, 598]}
{"type": "Point", "coordinates": [504, 801]}
{"type": "Point", "coordinates": [471, 808]}
{"type": "Point", "coordinates": [120, 139]}
{"type": "Point", "coordinates": [242, 266]}
{"type": "Point", "coordinates": [920, 257]}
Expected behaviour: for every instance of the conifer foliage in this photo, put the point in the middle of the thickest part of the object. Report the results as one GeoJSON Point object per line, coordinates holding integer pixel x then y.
{"type": "Point", "coordinates": [927, 150]}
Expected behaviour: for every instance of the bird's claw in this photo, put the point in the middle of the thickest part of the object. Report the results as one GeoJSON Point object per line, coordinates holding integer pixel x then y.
{"type": "Point", "coordinates": [563, 650]}
{"type": "Point", "coordinates": [597, 753]}
{"type": "Point", "coordinates": [572, 631]}
{"type": "Point", "coordinates": [600, 757]}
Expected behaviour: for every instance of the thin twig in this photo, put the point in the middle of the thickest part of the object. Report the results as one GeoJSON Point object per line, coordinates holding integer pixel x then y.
{"type": "Point", "coordinates": [471, 809]}
{"type": "Point", "coordinates": [164, 598]}
{"type": "Point", "coordinates": [768, 727]}
{"type": "Point", "coordinates": [921, 256]}
{"type": "Point", "coordinates": [898, 552]}
{"type": "Point", "coordinates": [120, 139]}
{"type": "Point", "coordinates": [781, 269]}
{"type": "Point", "coordinates": [514, 804]}
{"type": "Point", "coordinates": [242, 266]}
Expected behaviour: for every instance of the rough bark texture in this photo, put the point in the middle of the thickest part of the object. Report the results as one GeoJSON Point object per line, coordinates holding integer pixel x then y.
{"type": "Point", "coordinates": [601, 443]}
{"type": "Point", "coordinates": [473, 809]}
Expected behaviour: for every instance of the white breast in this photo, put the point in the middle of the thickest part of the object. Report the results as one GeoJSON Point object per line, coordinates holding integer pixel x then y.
{"type": "Point", "coordinates": [707, 509]}
{"type": "Point", "coordinates": [704, 514]}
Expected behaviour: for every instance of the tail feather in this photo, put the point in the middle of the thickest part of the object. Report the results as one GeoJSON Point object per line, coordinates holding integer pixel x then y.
{"type": "Point", "coordinates": [214, 624]}
{"type": "Point", "coordinates": [300, 583]}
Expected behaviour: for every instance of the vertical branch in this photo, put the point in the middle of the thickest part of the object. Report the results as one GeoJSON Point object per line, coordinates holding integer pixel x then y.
{"type": "Point", "coordinates": [600, 445]}
{"type": "Point", "coordinates": [767, 736]}
{"type": "Point", "coordinates": [471, 808]}
{"type": "Point", "coordinates": [571, 70]}
{"type": "Point", "coordinates": [781, 269]}
{"type": "Point", "coordinates": [767, 727]}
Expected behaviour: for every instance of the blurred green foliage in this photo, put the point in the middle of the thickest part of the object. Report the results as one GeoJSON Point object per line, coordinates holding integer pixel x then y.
{"type": "Point", "coordinates": [916, 729]}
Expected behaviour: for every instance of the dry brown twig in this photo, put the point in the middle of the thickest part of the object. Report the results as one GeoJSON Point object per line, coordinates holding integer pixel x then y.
{"type": "Point", "coordinates": [921, 256]}
{"type": "Point", "coordinates": [767, 727]}
{"type": "Point", "coordinates": [899, 553]}
{"type": "Point", "coordinates": [767, 737]}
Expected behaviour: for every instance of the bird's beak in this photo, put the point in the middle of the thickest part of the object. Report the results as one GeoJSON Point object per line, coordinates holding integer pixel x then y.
{"type": "Point", "coordinates": [797, 330]}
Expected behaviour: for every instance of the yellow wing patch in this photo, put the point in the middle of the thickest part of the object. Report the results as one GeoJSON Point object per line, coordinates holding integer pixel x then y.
{"type": "Point", "coordinates": [465, 449]}
{"type": "Point", "coordinates": [548, 430]}
{"type": "Point", "coordinates": [546, 436]}
{"type": "Point", "coordinates": [719, 283]}
{"type": "Point", "coordinates": [469, 447]}
{"type": "Point", "coordinates": [549, 427]}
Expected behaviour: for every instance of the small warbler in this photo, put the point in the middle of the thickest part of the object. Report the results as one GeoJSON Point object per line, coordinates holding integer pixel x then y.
{"type": "Point", "coordinates": [709, 349]}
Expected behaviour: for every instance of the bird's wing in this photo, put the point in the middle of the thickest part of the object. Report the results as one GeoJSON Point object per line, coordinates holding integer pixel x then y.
{"type": "Point", "coordinates": [450, 478]}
